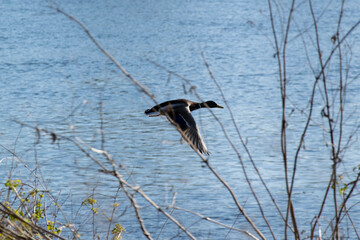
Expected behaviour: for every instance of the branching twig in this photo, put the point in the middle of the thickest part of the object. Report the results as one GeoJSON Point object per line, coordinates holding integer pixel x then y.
{"type": "Point", "coordinates": [40, 230]}
{"type": "Point", "coordinates": [281, 62]}
{"type": "Point", "coordinates": [79, 144]}
{"type": "Point", "coordinates": [216, 222]}
{"type": "Point", "coordinates": [343, 204]}
{"type": "Point", "coordinates": [248, 152]}
{"type": "Point", "coordinates": [328, 115]}
{"type": "Point", "coordinates": [143, 88]}
{"type": "Point", "coordinates": [118, 65]}
{"type": "Point", "coordinates": [152, 97]}
{"type": "Point", "coordinates": [241, 209]}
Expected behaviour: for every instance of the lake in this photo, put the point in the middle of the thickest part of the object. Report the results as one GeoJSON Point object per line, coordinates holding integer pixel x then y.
{"type": "Point", "coordinates": [54, 77]}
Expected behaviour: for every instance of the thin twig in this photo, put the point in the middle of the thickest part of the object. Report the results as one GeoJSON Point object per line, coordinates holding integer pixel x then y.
{"type": "Point", "coordinates": [241, 209]}
{"type": "Point", "coordinates": [352, 223]}
{"type": "Point", "coordinates": [327, 114]}
{"type": "Point", "coordinates": [137, 210]}
{"type": "Point", "coordinates": [118, 65]}
{"type": "Point", "coordinates": [247, 150]}
{"type": "Point", "coordinates": [144, 89]}
{"type": "Point", "coordinates": [343, 204]}
{"type": "Point", "coordinates": [216, 222]}
{"type": "Point", "coordinates": [337, 152]}
{"type": "Point", "coordinates": [283, 86]}
{"type": "Point", "coordinates": [113, 212]}
{"type": "Point", "coordinates": [102, 133]}
{"type": "Point", "coordinates": [79, 143]}
{"type": "Point", "coordinates": [40, 230]}
{"type": "Point", "coordinates": [282, 76]}
{"type": "Point", "coordinates": [163, 227]}
{"type": "Point", "coordinates": [141, 192]}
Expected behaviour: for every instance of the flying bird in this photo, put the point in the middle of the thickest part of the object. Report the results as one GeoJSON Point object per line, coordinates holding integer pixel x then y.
{"type": "Point", "coordinates": [179, 111]}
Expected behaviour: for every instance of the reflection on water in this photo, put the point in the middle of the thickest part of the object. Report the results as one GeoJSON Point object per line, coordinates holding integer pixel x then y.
{"type": "Point", "coordinates": [54, 77]}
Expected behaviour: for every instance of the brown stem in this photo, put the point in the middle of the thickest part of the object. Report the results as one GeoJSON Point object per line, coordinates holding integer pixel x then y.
{"type": "Point", "coordinates": [204, 159]}
{"type": "Point", "coordinates": [239, 156]}
{"type": "Point", "coordinates": [328, 116]}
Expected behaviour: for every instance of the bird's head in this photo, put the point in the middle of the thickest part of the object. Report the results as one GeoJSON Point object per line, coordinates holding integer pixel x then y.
{"type": "Point", "coordinates": [211, 104]}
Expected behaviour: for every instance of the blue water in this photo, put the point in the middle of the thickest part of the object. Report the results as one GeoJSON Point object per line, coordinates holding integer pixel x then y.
{"type": "Point", "coordinates": [54, 77]}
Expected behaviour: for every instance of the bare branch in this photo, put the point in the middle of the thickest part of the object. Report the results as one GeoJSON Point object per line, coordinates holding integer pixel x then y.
{"type": "Point", "coordinates": [216, 222]}
{"type": "Point", "coordinates": [241, 209]}
{"type": "Point", "coordinates": [248, 152]}
{"type": "Point", "coordinates": [123, 70]}
{"type": "Point", "coordinates": [43, 232]}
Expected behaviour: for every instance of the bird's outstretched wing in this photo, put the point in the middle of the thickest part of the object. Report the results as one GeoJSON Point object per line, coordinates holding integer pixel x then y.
{"type": "Point", "coordinates": [190, 131]}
